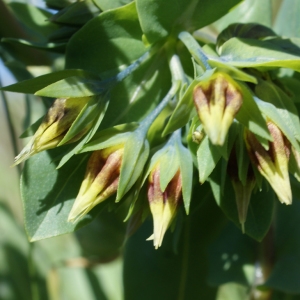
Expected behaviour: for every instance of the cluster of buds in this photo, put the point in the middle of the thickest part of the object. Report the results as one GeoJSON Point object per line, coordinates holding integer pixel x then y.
{"type": "Point", "coordinates": [100, 181]}
{"type": "Point", "coordinates": [54, 126]}
{"type": "Point", "coordinates": [273, 163]}
{"type": "Point", "coordinates": [217, 102]}
{"type": "Point", "coordinates": [163, 203]}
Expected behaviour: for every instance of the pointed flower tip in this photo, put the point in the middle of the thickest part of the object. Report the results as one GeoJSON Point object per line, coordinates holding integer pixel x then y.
{"type": "Point", "coordinates": [272, 163]}
{"type": "Point", "coordinates": [54, 126]}
{"type": "Point", "coordinates": [217, 101]}
{"type": "Point", "coordinates": [100, 181]}
{"type": "Point", "coordinates": [163, 204]}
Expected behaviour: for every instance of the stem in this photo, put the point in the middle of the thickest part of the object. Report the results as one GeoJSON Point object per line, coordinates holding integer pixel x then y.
{"type": "Point", "coordinates": [11, 129]}
{"type": "Point", "coordinates": [147, 122]}
{"type": "Point", "coordinates": [195, 49]}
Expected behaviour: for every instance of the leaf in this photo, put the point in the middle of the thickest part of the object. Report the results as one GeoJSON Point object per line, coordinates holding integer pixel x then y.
{"type": "Point", "coordinates": [260, 211]}
{"type": "Point", "coordinates": [250, 53]}
{"type": "Point", "coordinates": [48, 194]}
{"type": "Point", "coordinates": [31, 86]}
{"type": "Point", "coordinates": [186, 169]}
{"type": "Point", "coordinates": [34, 18]}
{"type": "Point", "coordinates": [77, 13]}
{"type": "Point", "coordinates": [269, 92]}
{"type": "Point", "coordinates": [111, 40]}
{"type": "Point", "coordinates": [253, 11]}
{"type": "Point", "coordinates": [53, 47]}
{"type": "Point", "coordinates": [110, 4]}
{"type": "Point", "coordinates": [287, 247]}
{"type": "Point", "coordinates": [158, 18]}
{"type": "Point", "coordinates": [231, 258]}
{"type": "Point", "coordinates": [287, 22]}
{"type": "Point", "coordinates": [250, 116]}
{"type": "Point", "coordinates": [279, 117]}
{"type": "Point", "coordinates": [72, 87]}
{"type": "Point", "coordinates": [208, 156]}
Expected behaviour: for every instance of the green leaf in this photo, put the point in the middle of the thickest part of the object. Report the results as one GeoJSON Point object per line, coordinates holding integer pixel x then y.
{"type": "Point", "coordinates": [111, 40]}
{"type": "Point", "coordinates": [110, 4]}
{"type": "Point", "coordinates": [159, 18]}
{"type": "Point", "coordinates": [77, 13]}
{"type": "Point", "coordinates": [31, 86]}
{"type": "Point", "coordinates": [208, 156]}
{"type": "Point", "coordinates": [250, 116]}
{"type": "Point", "coordinates": [72, 87]}
{"type": "Point", "coordinates": [287, 22]}
{"type": "Point", "coordinates": [186, 169]}
{"type": "Point", "coordinates": [232, 291]}
{"type": "Point", "coordinates": [260, 211]}
{"type": "Point", "coordinates": [136, 151]}
{"type": "Point", "coordinates": [285, 273]}
{"type": "Point", "coordinates": [34, 18]}
{"type": "Point", "coordinates": [53, 47]}
{"type": "Point", "coordinates": [231, 258]}
{"type": "Point", "coordinates": [48, 194]}
{"type": "Point", "coordinates": [250, 53]}
{"type": "Point", "coordinates": [279, 117]}
{"type": "Point", "coordinates": [130, 100]}
{"type": "Point", "coordinates": [269, 92]}
{"type": "Point", "coordinates": [253, 11]}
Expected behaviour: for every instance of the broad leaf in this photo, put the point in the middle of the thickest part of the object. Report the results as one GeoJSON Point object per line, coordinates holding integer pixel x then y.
{"type": "Point", "coordinates": [48, 194]}
{"type": "Point", "coordinates": [250, 53]}
{"type": "Point", "coordinates": [111, 40]}
{"type": "Point", "coordinates": [159, 18]}
{"type": "Point", "coordinates": [31, 86]}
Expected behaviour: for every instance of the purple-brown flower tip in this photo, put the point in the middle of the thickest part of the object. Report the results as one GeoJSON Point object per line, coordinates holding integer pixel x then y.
{"type": "Point", "coordinates": [100, 181]}
{"type": "Point", "coordinates": [54, 126]}
{"type": "Point", "coordinates": [163, 204]}
{"type": "Point", "coordinates": [272, 164]}
{"type": "Point", "coordinates": [217, 102]}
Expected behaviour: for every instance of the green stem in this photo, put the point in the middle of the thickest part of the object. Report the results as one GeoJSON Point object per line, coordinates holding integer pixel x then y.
{"type": "Point", "coordinates": [12, 133]}
{"type": "Point", "coordinates": [195, 49]}
{"type": "Point", "coordinates": [147, 122]}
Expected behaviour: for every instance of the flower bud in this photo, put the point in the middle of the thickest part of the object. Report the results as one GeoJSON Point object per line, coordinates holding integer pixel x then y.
{"type": "Point", "coordinates": [242, 191]}
{"type": "Point", "coordinates": [272, 164]}
{"type": "Point", "coordinates": [54, 126]}
{"type": "Point", "coordinates": [163, 204]}
{"type": "Point", "coordinates": [100, 181]}
{"type": "Point", "coordinates": [217, 102]}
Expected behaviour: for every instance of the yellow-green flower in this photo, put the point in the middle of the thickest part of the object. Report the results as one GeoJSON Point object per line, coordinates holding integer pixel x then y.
{"type": "Point", "coordinates": [101, 180]}
{"type": "Point", "coordinates": [217, 102]}
{"type": "Point", "coordinates": [272, 164]}
{"type": "Point", "coordinates": [54, 126]}
{"type": "Point", "coordinates": [163, 204]}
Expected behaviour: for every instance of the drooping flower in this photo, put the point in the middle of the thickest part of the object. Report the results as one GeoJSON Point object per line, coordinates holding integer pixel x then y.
{"type": "Point", "coordinates": [272, 163]}
{"type": "Point", "coordinates": [217, 102]}
{"type": "Point", "coordinates": [100, 181]}
{"type": "Point", "coordinates": [163, 204]}
{"type": "Point", "coordinates": [54, 126]}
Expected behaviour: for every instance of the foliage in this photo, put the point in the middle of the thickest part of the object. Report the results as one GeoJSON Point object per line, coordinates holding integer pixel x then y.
{"type": "Point", "coordinates": [171, 112]}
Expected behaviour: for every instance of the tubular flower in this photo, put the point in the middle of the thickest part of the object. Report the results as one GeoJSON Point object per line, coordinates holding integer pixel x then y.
{"type": "Point", "coordinates": [100, 181]}
{"type": "Point", "coordinates": [217, 102]}
{"type": "Point", "coordinates": [54, 126]}
{"type": "Point", "coordinates": [163, 204]}
{"type": "Point", "coordinates": [272, 164]}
